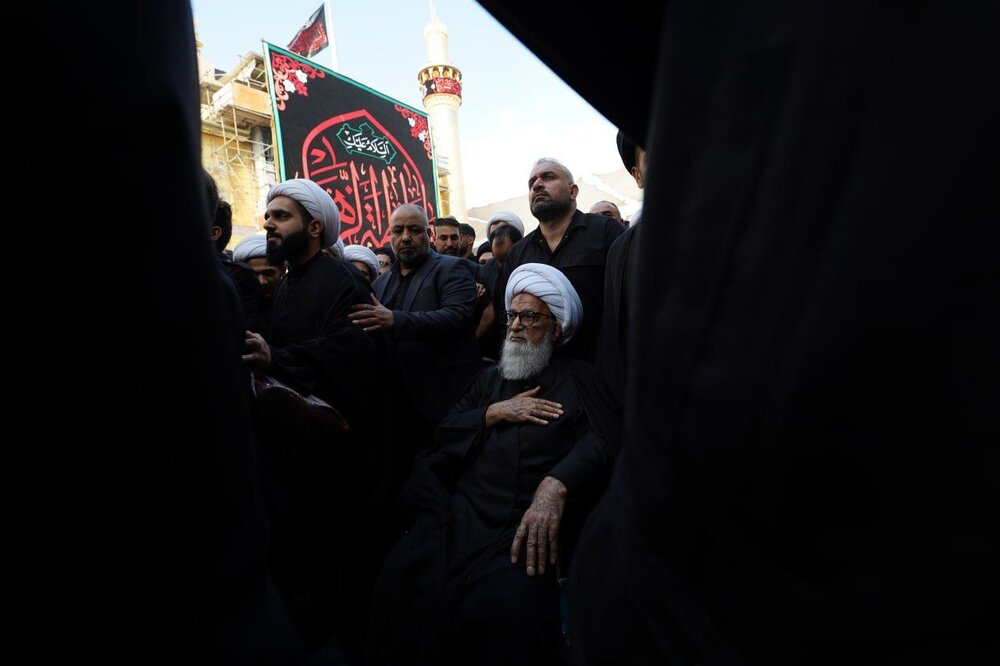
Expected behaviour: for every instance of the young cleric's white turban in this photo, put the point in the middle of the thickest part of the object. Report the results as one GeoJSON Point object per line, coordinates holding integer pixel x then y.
{"type": "Point", "coordinates": [364, 255]}
{"type": "Point", "coordinates": [510, 218]}
{"type": "Point", "coordinates": [251, 247]}
{"type": "Point", "coordinates": [316, 201]}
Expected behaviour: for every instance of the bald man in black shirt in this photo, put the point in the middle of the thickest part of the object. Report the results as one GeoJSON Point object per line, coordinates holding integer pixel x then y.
{"type": "Point", "coordinates": [574, 242]}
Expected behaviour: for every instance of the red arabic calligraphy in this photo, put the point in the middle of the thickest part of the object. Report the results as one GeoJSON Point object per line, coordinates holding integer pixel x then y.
{"type": "Point", "coordinates": [366, 190]}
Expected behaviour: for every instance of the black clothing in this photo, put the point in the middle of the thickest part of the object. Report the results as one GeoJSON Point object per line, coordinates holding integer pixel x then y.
{"type": "Point", "coordinates": [448, 592]}
{"type": "Point", "coordinates": [488, 275]}
{"type": "Point", "coordinates": [248, 287]}
{"type": "Point", "coordinates": [613, 337]}
{"type": "Point", "coordinates": [581, 256]}
{"type": "Point", "coordinates": [432, 355]}
{"type": "Point", "coordinates": [490, 341]}
{"type": "Point", "coordinates": [314, 345]}
{"type": "Point", "coordinates": [432, 341]}
{"type": "Point", "coordinates": [161, 505]}
{"type": "Point", "coordinates": [326, 486]}
{"type": "Point", "coordinates": [397, 294]}
{"type": "Point", "coordinates": [810, 467]}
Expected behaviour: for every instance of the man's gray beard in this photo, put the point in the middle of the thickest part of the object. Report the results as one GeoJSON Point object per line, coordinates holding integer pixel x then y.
{"type": "Point", "coordinates": [524, 360]}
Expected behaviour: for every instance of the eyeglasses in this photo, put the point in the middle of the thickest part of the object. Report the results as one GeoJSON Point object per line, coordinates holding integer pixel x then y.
{"type": "Point", "coordinates": [528, 317]}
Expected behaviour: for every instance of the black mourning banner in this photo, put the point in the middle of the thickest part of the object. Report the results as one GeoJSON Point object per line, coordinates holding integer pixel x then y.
{"type": "Point", "coordinates": [370, 152]}
{"type": "Point", "coordinates": [312, 37]}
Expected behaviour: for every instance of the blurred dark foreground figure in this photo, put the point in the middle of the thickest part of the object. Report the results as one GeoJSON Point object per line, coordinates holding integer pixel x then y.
{"type": "Point", "coordinates": [161, 554]}
{"type": "Point", "coordinates": [812, 375]}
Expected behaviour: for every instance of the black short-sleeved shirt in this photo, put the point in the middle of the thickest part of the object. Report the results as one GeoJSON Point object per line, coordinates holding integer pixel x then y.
{"type": "Point", "coordinates": [581, 255]}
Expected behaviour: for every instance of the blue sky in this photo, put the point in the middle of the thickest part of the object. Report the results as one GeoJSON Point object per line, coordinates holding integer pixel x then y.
{"type": "Point", "coordinates": [514, 108]}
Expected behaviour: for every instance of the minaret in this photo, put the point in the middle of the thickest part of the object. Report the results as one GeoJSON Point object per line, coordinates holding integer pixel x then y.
{"type": "Point", "coordinates": [441, 87]}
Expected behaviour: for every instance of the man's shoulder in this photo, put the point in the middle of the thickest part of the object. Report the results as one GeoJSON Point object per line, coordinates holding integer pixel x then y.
{"type": "Point", "coordinates": [443, 260]}
{"type": "Point", "coordinates": [448, 265]}
{"type": "Point", "coordinates": [521, 246]}
{"type": "Point", "coordinates": [328, 265]}
{"type": "Point", "coordinates": [622, 243]}
{"type": "Point", "coordinates": [489, 269]}
{"type": "Point", "coordinates": [487, 377]}
{"type": "Point", "coordinates": [573, 365]}
{"type": "Point", "coordinates": [338, 275]}
{"type": "Point", "coordinates": [378, 282]}
{"type": "Point", "coordinates": [234, 267]}
{"type": "Point", "coordinates": [582, 376]}
{"type": "Point", "coordinates": [241, 275]}
{"type": "Point", "coordinates": [604, 223]}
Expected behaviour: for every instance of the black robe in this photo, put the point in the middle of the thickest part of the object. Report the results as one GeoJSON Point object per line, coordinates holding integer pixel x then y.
{"type": "Point", "coordinates": [315, 346]}
{"type": "Point", "coordinates": [491, 341]}
{"type": "Point", "coordinates": [813, 374]}
{"type": "Point", "coordinates": [448, 592]}
{"type": "Point", "coordinates": [251, 296]}
{"type": "Point", "coordinates": [152, 521]}
{"type": "Point", "coordinates": [613, 338]}
{"type": "Point", "coordinates": [326, 485]}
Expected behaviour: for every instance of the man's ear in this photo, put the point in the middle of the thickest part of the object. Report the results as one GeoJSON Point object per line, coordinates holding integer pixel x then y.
{"type": "Point", "coordinates": [216, 233]}
{"type": "Point", "coordinates": [574, 189]}
{"type": "Point", "coordinates": [638, 177]}
{"type": "Point", "coordinates": [316, 229]}
{"type": "Point", "coordinates": [556, 332]}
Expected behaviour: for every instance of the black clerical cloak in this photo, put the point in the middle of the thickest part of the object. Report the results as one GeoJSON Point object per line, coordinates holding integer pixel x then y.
{"type": "Point", "coordinates": [448, 592]}
{"type": "Point", "coordinates": [613, 336]}
{"type": "Point", "coordinates": [326, 485]}
{"type": "Point", "coordinates": [313, 343]}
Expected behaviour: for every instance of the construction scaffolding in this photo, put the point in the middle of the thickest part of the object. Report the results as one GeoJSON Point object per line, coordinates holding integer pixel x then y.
{"type": "Point", "coordinates": [237, 138]}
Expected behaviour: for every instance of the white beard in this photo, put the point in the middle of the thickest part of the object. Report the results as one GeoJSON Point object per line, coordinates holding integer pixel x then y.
{"type": "Point", "coordinates": [524, 360]}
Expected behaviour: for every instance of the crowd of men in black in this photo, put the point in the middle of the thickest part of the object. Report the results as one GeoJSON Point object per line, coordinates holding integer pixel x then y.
{"type": "Point", "coordinates": [806, 337]}
{"type": "Point", "coordinates": [455, 408]}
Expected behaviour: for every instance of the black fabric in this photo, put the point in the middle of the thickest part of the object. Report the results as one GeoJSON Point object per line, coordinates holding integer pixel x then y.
{"type": "Point", "coordinates": [328, 484]}
{"type": "Point", "coordinates": [251, 297]}
{"type": "Point", "coordinates": [488, 274]}
{"type": "Point", "coordinates": [314, 346]}
{"type": "Point", "coordinates": [159, 534]}
{"type": "Point", "coordinates": [812, 366]}
{"type": "Point", "coordinates": [619, 273]}
{"type": "Point", "coordinates": [400, 285]}
{"type": "Point", "coordinates": [447, 593]}
{"type": "Point", "coordinates": [627, 62]}
{"type": "Point", "coordinates": [431, 357]}
{"type": "Point", "coordinates": [432, 342]}
{"type": "Point", "coordinates": [490, 341]}
{"type": "Point", "coordinates": [581, 256]}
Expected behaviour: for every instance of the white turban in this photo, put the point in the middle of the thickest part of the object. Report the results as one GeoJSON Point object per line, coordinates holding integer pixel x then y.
{"type": "Point", "coordinates": [510, 218]}
{"type": "Point", "coordinates": [550, 285]}
{"type": "Point", "coordinates": [316, 201]}
{"type": "Point", "coordinates": [251, 247]}
{"type": "Point", "coordinates": [364, 255]}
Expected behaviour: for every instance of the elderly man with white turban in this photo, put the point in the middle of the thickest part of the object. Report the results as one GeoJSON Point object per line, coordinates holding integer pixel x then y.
{"type": "Point", "coordinates": [313, 347]}
{"type": "Point", "coordinates": [531, 439]}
